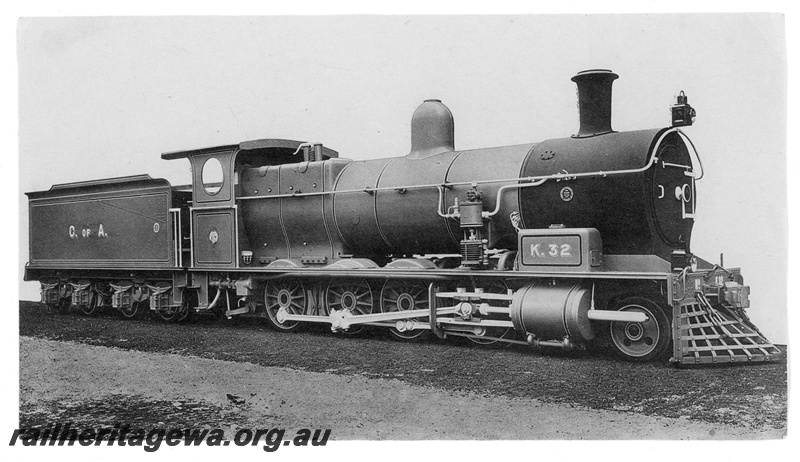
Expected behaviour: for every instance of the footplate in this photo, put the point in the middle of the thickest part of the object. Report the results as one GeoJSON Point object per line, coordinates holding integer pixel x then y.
{"type": "Point", "coordinates": [705, 334]}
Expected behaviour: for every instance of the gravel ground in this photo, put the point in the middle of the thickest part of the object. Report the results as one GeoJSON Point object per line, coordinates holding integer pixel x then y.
{"type": "Point", "coordinates": [725, 402]}
{"type": "Point", "coordinates": [154, 390]}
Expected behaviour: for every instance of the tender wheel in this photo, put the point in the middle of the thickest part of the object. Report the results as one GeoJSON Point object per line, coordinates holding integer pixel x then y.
{"type": "Point", "coordinates": [641, 341]}
{"type": "Point", "coordinates": [91, 308]}
{"type": "Point", "coordinates": [188, 304]}
{"type": "Point", "coordinates": [288, 294]}
{"type": "Point", "coordinates": [398, 295]}
{"type": "Point", "coordinates": [64, 302]}
{"type": "Point", "coordinates": [63, 305]}
{"type": "Point", "coordinates": [172, 313]}
{"type": "Point", "coordinates": [134, 311]}
{"type": "Point", "coordinates": [494, 286]}
{"type": "Point", "coordinates": [353, 295]}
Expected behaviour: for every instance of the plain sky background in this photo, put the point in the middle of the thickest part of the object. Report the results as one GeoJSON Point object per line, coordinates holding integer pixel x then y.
{"type": "Point", "coordinates": [104, 97]}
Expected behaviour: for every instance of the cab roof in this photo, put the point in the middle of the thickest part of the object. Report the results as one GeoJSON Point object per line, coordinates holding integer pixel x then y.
{"type": "Point", "coordinates": [246, 146]}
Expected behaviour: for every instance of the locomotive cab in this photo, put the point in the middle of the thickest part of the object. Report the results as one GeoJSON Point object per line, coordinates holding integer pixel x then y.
{"type": "Point", "coordinates": [225, 178]}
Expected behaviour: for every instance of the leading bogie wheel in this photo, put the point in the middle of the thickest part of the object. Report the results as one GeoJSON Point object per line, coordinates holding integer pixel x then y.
{"type": "Point", "coordinates": [289, 294]}
{"type": "Point", "coordinates": [493, 286]}
{"type": "Point", "coordinates": [399, 295]}
{"type": "Point", "coordinates": [641, 341]}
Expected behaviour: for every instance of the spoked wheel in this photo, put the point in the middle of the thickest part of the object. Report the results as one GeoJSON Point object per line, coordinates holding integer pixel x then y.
{"type": "Point", "coordinates": [641, 341]}
{"type": "Point", "coordinates": [493, 286]}
{"type": "Point", "coordinates": [353, 295]}
{"type": "Point", "coordinates": [399, 295]}
{"type": "Point", "coordinates": [288, 294]}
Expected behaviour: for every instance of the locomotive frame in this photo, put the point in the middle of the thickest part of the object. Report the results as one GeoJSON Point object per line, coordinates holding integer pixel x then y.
{"type": "Point", "coordinates": [291, 232]}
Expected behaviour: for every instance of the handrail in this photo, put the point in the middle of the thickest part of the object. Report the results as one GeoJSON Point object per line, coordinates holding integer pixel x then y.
{"type": "Point", "coordinates": [692, 154]}
{"type": "Point", "coordinates": [519, 182]}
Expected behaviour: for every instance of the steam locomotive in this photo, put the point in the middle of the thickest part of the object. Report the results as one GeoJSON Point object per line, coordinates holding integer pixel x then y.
{"type": "Point", "coordinates": [565, 243]}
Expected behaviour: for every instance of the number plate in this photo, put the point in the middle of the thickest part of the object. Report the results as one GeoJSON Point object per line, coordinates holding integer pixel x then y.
{"type": "Point", "coordinates": [551, 250]}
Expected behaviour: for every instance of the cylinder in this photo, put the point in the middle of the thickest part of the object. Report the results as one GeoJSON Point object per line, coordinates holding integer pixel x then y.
{"type": "Point", "coordinates": [553, 312]}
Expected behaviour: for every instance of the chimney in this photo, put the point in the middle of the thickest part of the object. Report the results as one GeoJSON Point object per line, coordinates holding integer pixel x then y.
{"type": "Point", "coordinates": [594, 101]}
{"type": "Point", "coordinates": [431, 130]}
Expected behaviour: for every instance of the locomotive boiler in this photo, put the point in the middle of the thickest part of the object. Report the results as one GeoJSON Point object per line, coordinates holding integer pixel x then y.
{"type": "Point", "coordinates": [564, 243]}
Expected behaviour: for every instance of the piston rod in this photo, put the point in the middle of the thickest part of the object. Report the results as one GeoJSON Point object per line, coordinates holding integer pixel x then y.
{"type": "Point", "coordinates": [619, 316]}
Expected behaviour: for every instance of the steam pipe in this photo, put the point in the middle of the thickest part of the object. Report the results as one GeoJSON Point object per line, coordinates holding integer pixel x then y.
{"type": "Point", "coordinates": [518, 182]}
